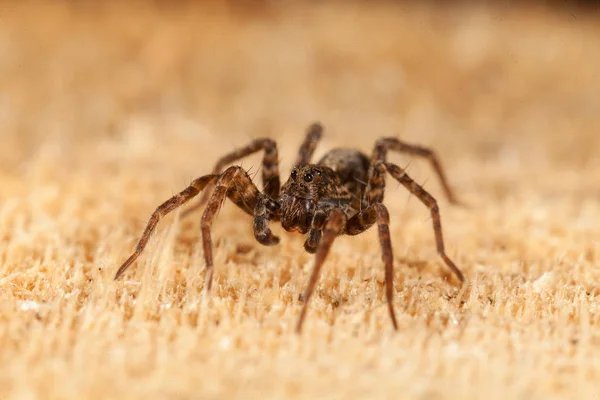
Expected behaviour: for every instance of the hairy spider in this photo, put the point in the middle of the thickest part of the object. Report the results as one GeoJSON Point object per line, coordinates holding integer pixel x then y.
{"type": "Point", "coordinates": [340, 194]}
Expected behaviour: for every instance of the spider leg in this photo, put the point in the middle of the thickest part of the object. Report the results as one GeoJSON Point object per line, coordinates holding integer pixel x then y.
{"type": "Point", "coordinates": [176, 201]}
{"type": "Point", "coordinates": [270, 168]}
{"type": "Point", "coordinates": [313, 135]}
{"type": "Point", "coordinates": [363, 221]}
{"type": "Point", "coordinates": [237, 185]}
{"type": "Point", "coordinates": [333, 227]}
{"type": "Point", "coordinates": [400, 175]}
{"type": "Point", "coordinates": [384, 145]}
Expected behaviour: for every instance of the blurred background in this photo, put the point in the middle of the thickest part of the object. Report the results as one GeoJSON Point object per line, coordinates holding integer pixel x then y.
{"type": "Point", "coordinates": [497, 82]}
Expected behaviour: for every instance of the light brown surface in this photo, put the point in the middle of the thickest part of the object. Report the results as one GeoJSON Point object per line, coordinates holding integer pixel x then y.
{"type": "Point", "coordinates": [105, 113]}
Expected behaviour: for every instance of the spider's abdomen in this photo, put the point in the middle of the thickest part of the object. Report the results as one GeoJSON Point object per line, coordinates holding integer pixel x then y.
{"type": "Point", "coordinates": [352, 167]}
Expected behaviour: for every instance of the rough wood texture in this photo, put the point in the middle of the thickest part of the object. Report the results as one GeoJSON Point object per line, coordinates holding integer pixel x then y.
{"type": "Point", "coordinates": [106, 112]}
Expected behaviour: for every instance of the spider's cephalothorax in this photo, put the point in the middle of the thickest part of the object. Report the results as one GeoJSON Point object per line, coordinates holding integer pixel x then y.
{"type": "Point", "coordinates": [341, 194]}
{"type": "Point", "coordinates": [311, 189]}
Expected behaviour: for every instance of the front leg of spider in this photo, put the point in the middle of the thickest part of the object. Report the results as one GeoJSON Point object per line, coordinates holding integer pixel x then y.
{"type": "Point", "coordinates": [174, 202]}
{"type": "Point", "coordinates": [245, 195]}
{"type": "Point", "coordinates": [333, 227]}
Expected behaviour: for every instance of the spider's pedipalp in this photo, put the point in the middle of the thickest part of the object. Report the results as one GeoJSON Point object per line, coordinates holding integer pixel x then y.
{"type": "Point", "coordinates": [266, 210]}
{"type": "Point", "coordinates": [319, 219]}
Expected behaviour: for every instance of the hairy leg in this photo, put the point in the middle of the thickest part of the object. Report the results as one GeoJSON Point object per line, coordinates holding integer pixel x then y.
{"type": "Point", "coordinates": [313, 135]}
{"type": "Point", "coordinates": [400, 175]}
{"type": "Point", "coordinates": [270, 168]}
{"type": "Point", "coordinates": [174, 202]}
{"type": "Point", "coordinates": [334, 226]}
{"type": "Point", "coordinates": [383, 145]}
{"type": "Point", "coordinates": [235, 184]}
{"type": "Point", "coordinates": [363, 221]}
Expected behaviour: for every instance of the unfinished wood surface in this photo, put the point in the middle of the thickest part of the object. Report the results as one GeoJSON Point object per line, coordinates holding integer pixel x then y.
{"type": "Point", "coordinates": [107, 111]}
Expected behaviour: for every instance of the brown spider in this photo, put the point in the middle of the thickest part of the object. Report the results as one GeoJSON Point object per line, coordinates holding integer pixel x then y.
{"type": "Point", "coordinates": [341, 194]}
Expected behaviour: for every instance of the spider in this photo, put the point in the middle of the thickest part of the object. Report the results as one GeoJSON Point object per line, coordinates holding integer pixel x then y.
{"type": "Point", "coordinates": [341, 194]}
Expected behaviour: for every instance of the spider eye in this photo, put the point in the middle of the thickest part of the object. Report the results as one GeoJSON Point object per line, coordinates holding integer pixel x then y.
{"type": "Point", "coordinates": [294, 174]}
{"type": "Point", "coordinates": [308, 177]}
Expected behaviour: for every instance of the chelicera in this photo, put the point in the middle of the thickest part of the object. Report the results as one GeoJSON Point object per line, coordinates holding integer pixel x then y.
{"type": "Point", "coordinates": [340, 194]}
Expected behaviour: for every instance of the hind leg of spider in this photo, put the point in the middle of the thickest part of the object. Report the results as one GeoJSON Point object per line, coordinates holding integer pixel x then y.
{"type": "Point", "coordinates": [307, 148]}
{"type": "Point", "coordinates": [384, 145]}
{"type": "Point", "coordinates": [378, 213]}
{"type": "Point", "coordinates": [237, 185]}
{"type": "Point", "coordinates": [270, 168]}
{"type": "Point", "coordinates": [174, 202]}
{"type": "Point", "coordinates": [400, 175]}
{"type": "Point", "coordinates": [334, 226]}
